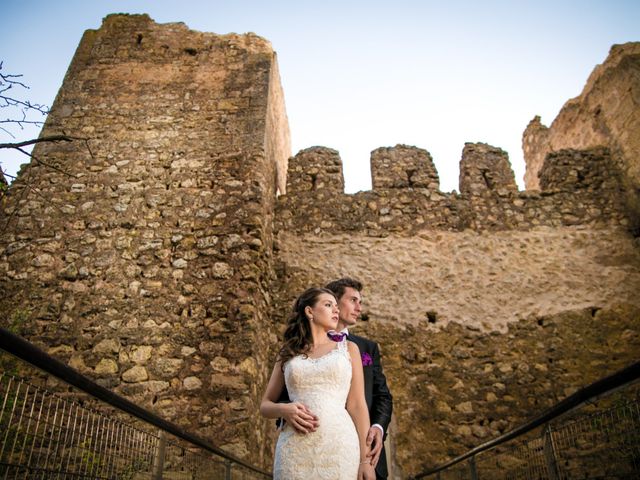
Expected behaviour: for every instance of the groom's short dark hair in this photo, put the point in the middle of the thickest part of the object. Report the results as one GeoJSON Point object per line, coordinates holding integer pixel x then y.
{"type": "Point", "coordinates": [339, 286]}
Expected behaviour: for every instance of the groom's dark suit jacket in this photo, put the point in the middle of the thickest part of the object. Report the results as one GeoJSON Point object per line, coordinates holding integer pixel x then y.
{"type": "Point", "coordinates": [376, 392]}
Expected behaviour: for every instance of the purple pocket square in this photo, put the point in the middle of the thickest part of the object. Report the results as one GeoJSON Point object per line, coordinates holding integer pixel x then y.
{"type": "Point", "coordinates": [366, 359]}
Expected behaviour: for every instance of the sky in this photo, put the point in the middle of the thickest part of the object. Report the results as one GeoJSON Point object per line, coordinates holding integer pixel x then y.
{"type": "Point", "coordinates": [359, 75]}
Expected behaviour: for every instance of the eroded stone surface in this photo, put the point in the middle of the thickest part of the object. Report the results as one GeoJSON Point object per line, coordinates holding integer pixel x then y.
{"type": "Point", "coordinates": [485, 280]}
{"type": "Point", "coordinates": [606, 113]}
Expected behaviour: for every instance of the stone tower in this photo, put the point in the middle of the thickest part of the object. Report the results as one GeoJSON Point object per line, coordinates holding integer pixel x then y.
{"type": "Point", "coordinates": [143, 258]}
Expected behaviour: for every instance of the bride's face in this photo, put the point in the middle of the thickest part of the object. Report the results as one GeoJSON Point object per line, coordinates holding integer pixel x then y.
{"type": "Point", "coordinates": [324, 312]}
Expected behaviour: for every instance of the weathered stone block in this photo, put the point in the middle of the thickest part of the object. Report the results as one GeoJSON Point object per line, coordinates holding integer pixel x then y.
{"type": "Point", "coordinates": [403, 166]}
{"type": "Point", "coordinates": [135, 374]}
{"type": "Point", "coordinates": [316, 168]}
{"type": "Point", "coordinates": [485, 170]}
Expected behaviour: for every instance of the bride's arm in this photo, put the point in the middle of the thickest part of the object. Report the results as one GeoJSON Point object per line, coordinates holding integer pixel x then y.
{"type": "Point", "coordinates": [297, 414]}
{"type": "Point", "coordinates": [269, 407]}
{"type": "Point", "coordinates": [357, 405]}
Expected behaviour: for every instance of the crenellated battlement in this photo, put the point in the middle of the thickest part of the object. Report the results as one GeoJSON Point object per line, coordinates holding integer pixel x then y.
{"type": "Point", "coordinates": [315, 168]}
{"type": "Point", "coordinates": [570, 170]}
{"type": "Point", "coordinates": [578, 187]}
{"type": "Point", "coordinates": [403, 166]}
{"type": "Point", "coordinates": [485, 170]}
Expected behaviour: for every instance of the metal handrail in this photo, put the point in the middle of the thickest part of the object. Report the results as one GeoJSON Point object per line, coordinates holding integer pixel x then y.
{"type": "Point", "coordinates": [21, 348]}
{"type": "Point", "coordinates": [604, 385]}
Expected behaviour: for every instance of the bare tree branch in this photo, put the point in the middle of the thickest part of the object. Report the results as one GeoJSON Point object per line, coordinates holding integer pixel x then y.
{"type": "Point", "coordinates": [21, 122]}
{"type": "Point", "coordinates": [86, 143]}
{"type": "Point", "coordinates": [18, 107]}
{"type": "Point", "coordinates": [49, 138]}
{"type": "Point", "coordinates": [13, 212]}
{"type": "Point", "coordinates": [20, 113]}
{"type": "Point", "coordinates": [39, 194]}
{"type": "Point", "coordinates": [12, 102]}
{"type": "Point", "coordinates": [43, 163]}
{"type": "Point", "coordinates": [3, 181]}
{"type": "Point", "coordinates": [9, 78]}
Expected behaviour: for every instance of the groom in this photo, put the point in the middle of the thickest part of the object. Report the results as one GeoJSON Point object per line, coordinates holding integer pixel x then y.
{"type": "Point", "coordinates": [379, 400]}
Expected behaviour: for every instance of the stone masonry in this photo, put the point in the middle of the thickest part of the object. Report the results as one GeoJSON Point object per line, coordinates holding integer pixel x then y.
{"type": "Point", "coordinates": [490, 304]}
{"type": "Point", "coordinates": [144, 258]}
{"type": "Point", "coordinates": [161, 255]}
{"type": "Point", "coordinates": [606, 113]}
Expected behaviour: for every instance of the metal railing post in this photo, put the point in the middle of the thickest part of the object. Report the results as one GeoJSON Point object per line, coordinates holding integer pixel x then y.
{"type": "Point", "coordinates": [473, 472]}
{"type": "Point", "coordinates": [550, 454]}
{"type": "Point", "coordinates": [227, 469]}
{"type": "Point", "coordinates": [158, 459]}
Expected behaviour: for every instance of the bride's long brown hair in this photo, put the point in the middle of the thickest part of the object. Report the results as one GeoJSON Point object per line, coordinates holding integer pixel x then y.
{"type": "Point", "coordinates": [297, 336]}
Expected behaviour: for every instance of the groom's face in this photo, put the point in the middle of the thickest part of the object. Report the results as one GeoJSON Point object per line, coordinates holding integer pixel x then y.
{"type": "Point", "coordinates": [350, 305]}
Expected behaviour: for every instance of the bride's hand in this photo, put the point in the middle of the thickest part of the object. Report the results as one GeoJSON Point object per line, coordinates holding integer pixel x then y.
{"type": "Point", "coordinates": [374, 442]}
{"type": "Point", "coordinates": [366, 471]}
{"type": "Point", "coordinates": [300, 417]}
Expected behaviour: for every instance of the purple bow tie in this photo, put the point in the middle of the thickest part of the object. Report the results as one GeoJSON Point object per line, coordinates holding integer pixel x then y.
{"type": "Point", "coordinates": [335, 336]}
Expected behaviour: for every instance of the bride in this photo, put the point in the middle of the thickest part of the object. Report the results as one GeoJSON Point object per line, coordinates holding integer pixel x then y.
{"type": "Point", "coordinates": [325, 382]}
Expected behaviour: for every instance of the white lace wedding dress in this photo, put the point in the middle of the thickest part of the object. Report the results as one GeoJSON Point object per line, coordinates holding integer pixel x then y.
{"type": "Point", "coordinates": [332, 451]}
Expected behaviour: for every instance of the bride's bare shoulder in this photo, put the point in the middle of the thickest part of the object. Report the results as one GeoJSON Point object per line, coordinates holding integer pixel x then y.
{"type": "Point", "coordinates": [353, 348]}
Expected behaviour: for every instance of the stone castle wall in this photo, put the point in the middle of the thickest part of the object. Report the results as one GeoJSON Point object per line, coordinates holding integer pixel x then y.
{"type": "Point", "coordinates": [489, 305]}
{"type": "Point", "coordinates": [161, 255]}
{"type": "Point", "coordinates": [144, 258]}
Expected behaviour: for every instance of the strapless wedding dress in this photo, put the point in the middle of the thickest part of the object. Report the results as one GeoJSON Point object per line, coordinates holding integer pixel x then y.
{"type": "Point", "coordinates": [332, 452]}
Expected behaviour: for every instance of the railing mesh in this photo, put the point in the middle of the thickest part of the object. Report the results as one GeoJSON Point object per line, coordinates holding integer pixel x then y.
{"type": "Point", "coordinates": [606, 444]}
{"type": "Point", "coordinates": [62, 435]}
{"type": "Point", "coordinates": [600, 440]}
